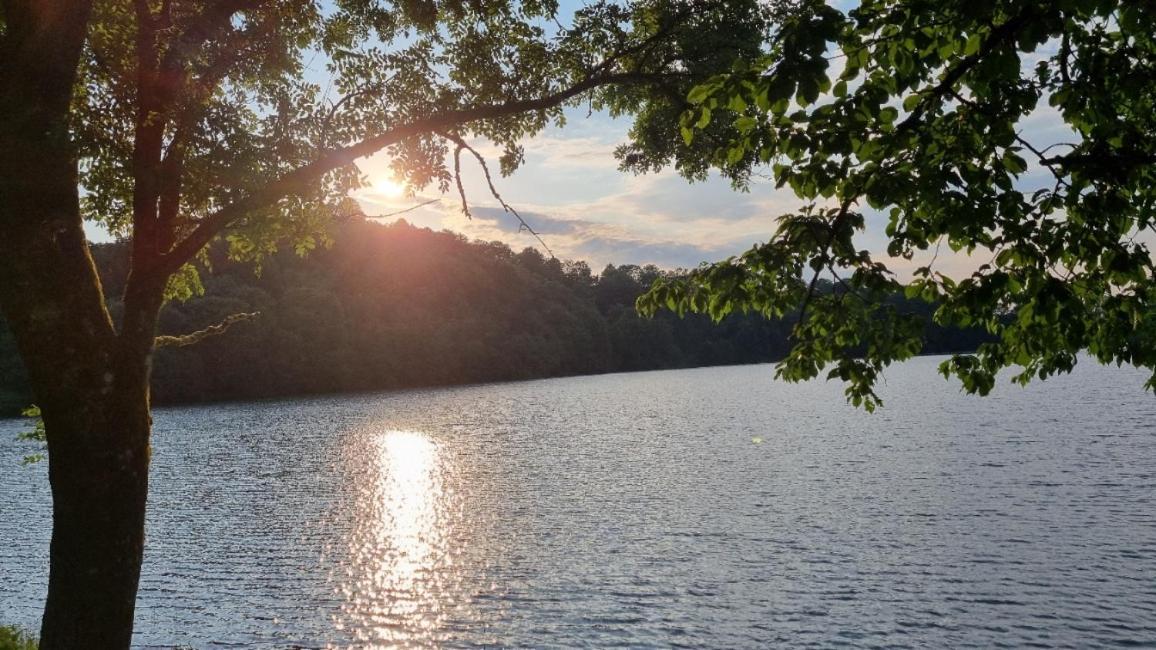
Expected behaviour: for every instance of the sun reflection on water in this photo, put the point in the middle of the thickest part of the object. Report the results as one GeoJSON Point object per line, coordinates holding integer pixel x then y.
{"type": "Point", "coordinates": [399, 551]}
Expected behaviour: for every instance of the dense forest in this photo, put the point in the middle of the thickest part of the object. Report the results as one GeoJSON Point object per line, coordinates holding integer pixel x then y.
{"type": "Point", "coordinates": [392, 306]}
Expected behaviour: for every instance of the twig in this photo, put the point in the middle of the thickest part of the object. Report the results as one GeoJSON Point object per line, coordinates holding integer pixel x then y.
{"type": "Point", "coordinates": [462, 145]}
{"type": "Point", "coordinates": [825, 253]}
{"type": "Point", "coordinates": [409, 209]}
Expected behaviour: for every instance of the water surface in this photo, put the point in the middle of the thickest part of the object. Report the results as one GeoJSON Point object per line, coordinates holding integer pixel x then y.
{"type": "Point", "coordinates": [638, 510]}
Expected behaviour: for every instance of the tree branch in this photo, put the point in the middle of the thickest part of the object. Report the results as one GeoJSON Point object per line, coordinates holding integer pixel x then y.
{"type": "Point", "coordinates": [463, 145]}
{"type": "Point", "coordinates": [825, 256]}
{"type": "Point", "coordinates": [191, 338]}
{"type": "Point", "coordinates": [198, 87]}
{"type": "Point", "coordinates": [404, 210]}
{"type": "Point", "coordinates": [998, 36]}
{"type": "Point", "coordinates": [148, 136]}
{"type": "Point", "coordinates": [296, 181]}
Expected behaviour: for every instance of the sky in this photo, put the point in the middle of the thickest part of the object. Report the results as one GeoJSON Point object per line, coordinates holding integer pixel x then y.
{"type": "Point", "coordinates": [571, 192]}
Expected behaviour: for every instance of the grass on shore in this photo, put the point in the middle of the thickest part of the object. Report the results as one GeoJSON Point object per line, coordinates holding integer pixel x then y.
{"type": "Point", "coordinates": [14, 638]}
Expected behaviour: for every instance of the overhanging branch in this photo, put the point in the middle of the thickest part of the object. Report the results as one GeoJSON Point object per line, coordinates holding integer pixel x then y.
{"type": "Point", "coordinates": [462, 145]}
{"type": "Point", "coordinates": [999, 35]}
{"type": "Point", "coordinates": [299, 179]}
{"type": "Point", "coordinates": [191, 338]}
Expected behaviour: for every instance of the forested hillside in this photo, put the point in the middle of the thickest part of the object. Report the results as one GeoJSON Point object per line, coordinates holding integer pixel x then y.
{"type": "Point", "coordinates": [391, 306]}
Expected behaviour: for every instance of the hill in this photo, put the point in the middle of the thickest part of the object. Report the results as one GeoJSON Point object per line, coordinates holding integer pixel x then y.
{"type": "Point", "coordinates": [394, 306]}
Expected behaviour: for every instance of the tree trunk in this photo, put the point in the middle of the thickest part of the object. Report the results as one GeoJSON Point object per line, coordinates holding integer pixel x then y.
{"type": "Point", "coordinates": [92, 386]}
{"type": "Point", "coordinates": [90, 382]}
{"type": "Point", "coordinates": [99, 485]}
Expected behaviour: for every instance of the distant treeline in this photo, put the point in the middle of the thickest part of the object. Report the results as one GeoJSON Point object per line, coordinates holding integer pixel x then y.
{"type": "Point", "coordinates": [393, 306]}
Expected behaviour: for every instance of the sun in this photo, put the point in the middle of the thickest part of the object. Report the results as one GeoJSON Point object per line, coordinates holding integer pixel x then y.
{"type": "Point", "coordinates": [387, 186]}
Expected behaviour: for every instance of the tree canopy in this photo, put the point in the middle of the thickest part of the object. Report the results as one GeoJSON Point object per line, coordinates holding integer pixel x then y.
{"type": "Point", "coordinates": [1019, 132]}
{"type": "Point", "coordinates": [242, 118]}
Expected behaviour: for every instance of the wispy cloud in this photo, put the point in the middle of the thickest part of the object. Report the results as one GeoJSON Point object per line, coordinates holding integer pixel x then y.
{"type": "Point", "coordinates": [595, 242]}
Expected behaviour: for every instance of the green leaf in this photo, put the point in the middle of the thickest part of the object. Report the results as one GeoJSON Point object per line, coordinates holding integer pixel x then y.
{"type": "Point", "coordinates": [703, 118]}
{"type": "Point", "coordinates": [746, 124]}
{"type": "Point", "coordinates": [972, 46]}
{"type": "Point", "coordinates": [699, 93]}
{"type": "Point", "coordinates": [1014, 163]}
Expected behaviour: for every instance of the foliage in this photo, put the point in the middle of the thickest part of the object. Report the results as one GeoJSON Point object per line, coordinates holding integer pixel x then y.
{"type": "Point", "coordinates": [14, 638]}
{"type": "Point", "coordinates": [259, 118]}
{"type": "Point", "coordinates": [925, 117]}
{"type": "Point", "coordinates": [36, 435]}
{"type": "Point", "coordinates": [397, 306]}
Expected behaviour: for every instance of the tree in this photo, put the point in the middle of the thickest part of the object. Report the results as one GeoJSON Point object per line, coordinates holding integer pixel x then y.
{"type": "Point", "coordinates": [187, 122]}
{"type": "Point", "coordinates": [925, 124]}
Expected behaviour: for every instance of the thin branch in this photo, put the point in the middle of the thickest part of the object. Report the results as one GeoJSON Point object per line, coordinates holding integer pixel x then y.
{"type": "Point", "coordinates": [935, 257]}
{"type": "Point", "coordinates": [409, 209]}
{"type": "Point", "coordinates": [825, 254]}
{"type": "Point", "coordinates": [191, 338]}
{"type": "Point", "coordinates": [847, 287]}
{"type": "Point", "coordinates": [458, 181]}
{"type": "Point", "coordinates": [1050, 163]}
{"type": "Point", "coordinates": [1065, 54]}
{"type": "Point", "coordinates": [1046, 162]}
{"type": "Point", "coordinates": [463, 145]}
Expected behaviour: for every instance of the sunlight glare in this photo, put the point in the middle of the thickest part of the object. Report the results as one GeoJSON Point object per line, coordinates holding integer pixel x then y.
{"type": "Point", "coordinates": [387, 186]}
{"type": "Point", "coordinates": [402, 548]}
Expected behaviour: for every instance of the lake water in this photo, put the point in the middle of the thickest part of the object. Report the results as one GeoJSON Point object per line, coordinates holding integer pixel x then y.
{"type": "Point", "coordinates": [639, 510]}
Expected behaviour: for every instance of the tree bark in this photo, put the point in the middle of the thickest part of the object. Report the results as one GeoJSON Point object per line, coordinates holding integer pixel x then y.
{"type": "Point", "coordinates": [99, 485]}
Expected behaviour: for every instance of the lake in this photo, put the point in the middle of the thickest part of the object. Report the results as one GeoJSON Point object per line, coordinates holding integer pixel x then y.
{"type": "Point", "coordinates": [713, 507]}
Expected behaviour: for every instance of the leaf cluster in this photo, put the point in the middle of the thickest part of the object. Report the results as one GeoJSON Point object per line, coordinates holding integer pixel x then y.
{"type": "Point", "coordinates": [36, 435]}
{"type": "Point", "coordinates": [924, 117]}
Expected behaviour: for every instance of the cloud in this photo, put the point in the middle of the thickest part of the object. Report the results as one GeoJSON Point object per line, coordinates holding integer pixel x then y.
{"type": "Point", "coordinates": [557, 152]}
{"type": "Point", "coordinates": [595, 242]}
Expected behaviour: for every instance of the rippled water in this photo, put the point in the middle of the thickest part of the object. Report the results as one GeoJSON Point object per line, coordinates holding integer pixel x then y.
{"type": "Point", "coordinates": [639, 510]}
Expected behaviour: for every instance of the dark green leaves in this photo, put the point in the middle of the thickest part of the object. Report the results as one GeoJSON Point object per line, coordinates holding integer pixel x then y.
{"type": "Point", "coordinates": [942, 119]}
{"type": "Point", "coordinates": [36, 435]}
